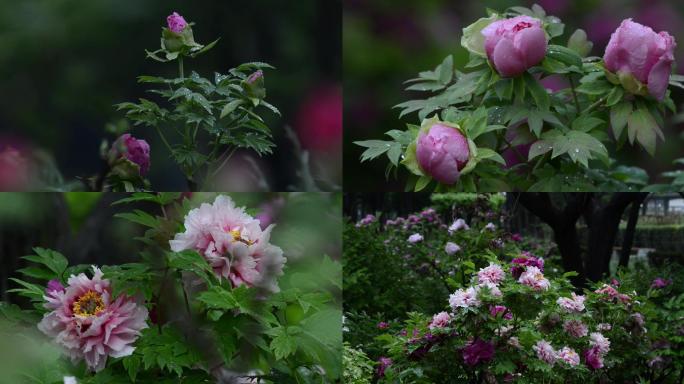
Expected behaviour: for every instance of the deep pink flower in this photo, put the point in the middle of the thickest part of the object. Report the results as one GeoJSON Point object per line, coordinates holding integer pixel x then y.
{"type": "Point", "coordinates": [440, 320]}
{"type": "Point", "coordinates": [514, 45]}
{"type": "Point", "coordinates": [660, 283]}
{"type": "Point", "coordinates": [383, 325]}
{"type": "Point", "coordinates": [176, 22]}
{"type": "Point", "coordinates": [319, 119]}
{"type": "Point", "coordinates": [233, 243]}
{"type": "Point", "coordinates": [255, 76]}
{"type": "Point", "coordinates": [516, 237]}
{"type": "Point", "coordinates": [54, 286]}
{"type": "Point", "coordinates": [494, 310]}
{"type": "Point", "coordinates": [442, 152]}
{"type": "Point", "coordinates": [594, 358]}
{"type": "Point", "coordinates": [478, 351]}
{"type": "Point", "coordinates": [383, 364]}
{"type": "Point", "coordinates": [88, 323]}
{"type": "Point", "coordinates": [14, 170]}
{"type": "Point", "coordinates": [526, 259]}
{"type": "Point", "coordinates": [635, 49]}
{"type": "Point", "coordinates": [137, 151]}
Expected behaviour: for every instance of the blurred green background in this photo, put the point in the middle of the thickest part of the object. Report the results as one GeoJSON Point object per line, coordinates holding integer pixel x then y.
{"type": "Point", "coordinates": [65, 63]}
{"type": "Point", "coordinates": [386, 42]}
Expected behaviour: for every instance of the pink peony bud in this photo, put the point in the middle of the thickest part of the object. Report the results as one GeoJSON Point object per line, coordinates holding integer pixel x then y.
{"type": "Point", "coordinates": [636, 50]}
{"type": "Point", "coordinates": [176, 22]}
{"type": "Point", "coordinates": [442, 153]}
{"type": "Point", "coordinates": [514, 45]}
{"type": "Point", "coordinates": [137, 151]}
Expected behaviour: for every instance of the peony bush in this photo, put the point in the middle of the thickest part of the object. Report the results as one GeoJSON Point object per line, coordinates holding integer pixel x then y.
{"type": "Point", "coordinates": [498, 308]}
{"type": "Point", "coordinates": [494, 126]}
{"type": "Point", "coordinates": [210, 300]}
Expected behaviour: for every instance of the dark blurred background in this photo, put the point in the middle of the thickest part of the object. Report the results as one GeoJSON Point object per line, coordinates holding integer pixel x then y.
{"type": "Point", "coordinates": [63, 64]}
{"type": "Point", "coordinates": [386, 42]}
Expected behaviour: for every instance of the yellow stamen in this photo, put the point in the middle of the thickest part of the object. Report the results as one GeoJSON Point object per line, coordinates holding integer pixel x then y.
{"type": "Point", "coordinates": [238, 237]}
{"type": "Point", "coordinates": [89, 304]}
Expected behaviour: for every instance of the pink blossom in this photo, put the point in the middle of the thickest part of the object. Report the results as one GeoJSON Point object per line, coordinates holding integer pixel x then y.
{"type": "Point", "coordinates": [636, 50]}
{"type": "Point", "coordinates": [440, 320]}
{"type": "Point", "coordinates": [569, 356]}
{"type": "Point", "coordinates": [491, 274]}
{"type": "Point", "coordinates": [14, 170]}
{"type": "Point", "coordinates": [53, 287]}
{"type": "Point", "coordinates": [319, 119]}
{"type": "Point", "coordinates": [514, 45]}
{"type": "Point", "coordinates": [383, 325]}
{"type": "Point", "coordinates": [526, 259]}
{"type": "Point", "coordinates": [176, 22]}
{"type": "Point", "coordinates": [451, 248]}
{"type": "Point", "coordinates": [575, 328]}
{"type": "Point", "coordinates": [493, 289]}
{"type": "Point", "coordinates": [516, 237]}
{"type": "Point", "coordinates": [457, 225]}
{"type": "Point", "coordinates": [415, 238]}
{"type": "Point", "coordinates": [545, 351]}
{"type": "Point", "coordinates": [442, 152]}
{"type": "Point", "coordinates": [490, 227]}
{"type": "Point", "coordinates": [533, 277]}
{"type": "Point", "coordinates": [603, 327]}
{"type": "Point", "coordinates": [135, 150]}
{"type": "Point", "coordinates": [478, 351]}
{"type": "Point", "coordinates": [88, 323]}
{"type": "Point", "coordinates": [599, 341]}
{"type": "Point", "coordinates": [594, 358]}
{"type": "Point", "coordinates": [572, 304]}
{"type": "Point", "coordinates": [464, 298]}
{"type": "Point", "coordinates": [514, 342]}
{"type": "Point", "coordinates": [233, 243]}
{"type": "Point", "coordinates": [367, 220]}
{"type": "Point", "coordinates": [384, 363]}
{"type": "Point", "coordinates": [660, 283]}
{"type": "Point", "coordinates": [494, 310]}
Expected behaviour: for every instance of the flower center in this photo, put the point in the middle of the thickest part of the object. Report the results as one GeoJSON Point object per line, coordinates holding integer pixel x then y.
{"type": "Point", "coordinates": [237, 236]}
{"type": "Point", "coordinates": [89, 304]}
{"type": "Point", "coordinates": [521, 25]}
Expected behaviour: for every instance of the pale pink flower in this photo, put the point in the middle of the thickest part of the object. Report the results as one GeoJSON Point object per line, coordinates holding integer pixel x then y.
{"type": "Point", "coordinates": [604, 327]}
{"type": "Point", "coordinates": [88, 323]}
{"type": "Point", "coordinates": [572, 304]}
{"type": "Point", "coordinates": [514, 342]}
{"type": "Point", "coordinates": [490, 227]}
{"type": "Point", "coordinates": [569, 355]}
{"type": "Point", "coordinates": [545, 351]}
{"type": "Point", "coordinates": [415, 238]}
{"type": "Point", "coordinates": [600, 342]}
{"type": "Point", "coordinates": [440, 320]}
{"type": "Point", "coordinates": [493, 289]}
{"type": "Point", "coordinates": [533, 277]}
{"type": "Point", "coordinates": [492, 274]}
{"type": "Point", "coordinates": [464, 298]}
{"type": "Point", "coordinates": [458, 225]}
{"type": "Point", "coordinates": [575, 328]}
{"type": "Point", "coordinates": [451, 248]}
{"type": "Point", "coordinates": [233, 243]}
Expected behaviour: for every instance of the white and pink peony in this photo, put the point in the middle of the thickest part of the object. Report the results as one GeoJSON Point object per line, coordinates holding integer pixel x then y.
{"type": "Point", "coordinates": [88, 323]}
{"type": "Point", "coordinates": [464, 298]}
{"type": "Point", "coordinates": [493, 274]}
{"type": "Point", "coordinates": [571, 304]}
{"type": "Point", "coordinates": [569, 356]}
{"type": "Point", "coordinates": [575, 328]}
{"type": "Point", "coordinates": [440, 320]}
{"type": "Point", "coordinates": [233, 243]}
{"type": "Point", "coordinates": [533, 277]}
{"type": "Point", "coordinates": [545, 352]}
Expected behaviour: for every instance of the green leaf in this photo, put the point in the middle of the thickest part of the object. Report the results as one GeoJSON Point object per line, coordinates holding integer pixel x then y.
{"type": "Point", "coordinates": [191, 261]}
{"type": "Point", "coordinates": [489, 154]}
{"type": "Point", "coordinates": [539, 147]}
{"type": "Point", "coordinates": [586, 123]}
{"type": "Point", "coordinates": [539, 94]}
{"type": "Point", "coordinates": [139, 217]}
{"type": "Point", "coordinates": [619, 114]}
{"type": "Point", "coordinates": [564, 55]}
{"type": "Point", "coordinates": [642, 126]}
{"type": "Point", "coordinates": [374, 149]}
{"type": "Point", "coordinates": [578, 42]}
{"type": "Point", "coordinates": [230, 107]}
{"type": "Point", "coordinates": [614, 96]}
{"type": "Point", "coordinates": [446, 70]}
{"type": "Point", "coordinates": [535, 122]}
{"type": "Point", "coordinates": [283, 343]}
{"type": "Point", "coordinates": [53, 260]}
{"type": "Point", "coordinates": [422, 182]}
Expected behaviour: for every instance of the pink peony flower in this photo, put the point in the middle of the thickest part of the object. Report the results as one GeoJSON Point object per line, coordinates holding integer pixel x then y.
{"type": "Point", "coordinates": [575, 328]}
{"type": "Point", "coordinates": [533, 277]}
{"type": "Point", "coordinates": [490, 227]}
{"type": "Point", "coordinates": [493, 289]}
{"type": "Point", "coordinates": [137, 151]}
{"type": "Point", "coordinates": [383, 364]}
{"type": "Point", "coordinates": [660, 283]}
{"type": "Point", "coordinates": [367, 220]}
{"type": "Point", "coordinates": [53, 287]}
{"type": "Point", "coordinates": [176, 22]}
{"type": "Point", "coordinates": [526, 259]}
{"type": "Point", "coordinates": [319, 119]}
{"type": "Point", "coordinates": [457, 225]}
{"type": "Point", "coordinates": [515, 45]}
{"type": "Point", "coordinates": [14, 170]}
{"type": "Point", "coordinates": [572, 304]}
{"type": "Point", "coordinates": [383, 325]}
{"type": "Point", "coordinates": [491, 274]}
{"type": "Point", "coordinates": [233, 243]}
{"type": "Point", "coordinates": [415, 238]}
{"type": "Point", "coordinates": [494, 310]}
{"type": "Point", "coordinates": [451, 248]}
{"type": "Point", "coordinates": [88, 323]}
{"type": "Point", "coordinates": [636, 50]}
{"type": "Point", "coordinates": [545, 351]}
{"type": "Point", "coordinates": [516, 237]}
{"type": "Point", "coordinates": [599, 341]}
{"type": "Point", "coordinates": [594, 358]}
{"type": "Point", "coordinates": [569, 356]}
{"type": "Point", "coordinates": [442, 152]}
{"type": "Point", "coordinates": [440, 320]}
{"type": "Point", "coordinates": [464, 298]}
{"type": "Point", "coordinates": [478, 351]}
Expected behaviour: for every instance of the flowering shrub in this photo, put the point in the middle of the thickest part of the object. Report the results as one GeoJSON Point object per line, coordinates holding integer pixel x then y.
{"type": "Point", "coordinates": [203, 122]}
{"type": "Point", "coordinates": [493, 126]}
{"type": "Point", "coordinates": [210, 300]}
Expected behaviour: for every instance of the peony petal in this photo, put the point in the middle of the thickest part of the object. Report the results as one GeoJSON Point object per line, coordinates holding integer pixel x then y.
{"type": "Point", "coordinates": [659, 78]}
{"type": "Point", "coordinates": [531, 45]}
{"type": "Point", "coordinates": [507, 60]}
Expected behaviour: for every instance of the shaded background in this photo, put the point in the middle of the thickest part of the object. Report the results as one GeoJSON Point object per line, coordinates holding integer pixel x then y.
{"type": "Point", "coordinates": [65, 63]}
{"type": "Point", "coordinates": [386, 42]}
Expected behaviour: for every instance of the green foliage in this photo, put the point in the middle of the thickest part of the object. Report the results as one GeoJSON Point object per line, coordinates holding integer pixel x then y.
{"type": "Point", "coordinates": [358, 368]}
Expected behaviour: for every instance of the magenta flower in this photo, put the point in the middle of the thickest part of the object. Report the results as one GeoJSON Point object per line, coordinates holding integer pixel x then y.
{"type": "Point", "coordinates": [442, 152]}
{"type": "Point", "coordinates": [383, 364]}
{"type": "Point", "coordinates": [515, 45]}
{"type": "Point", "coordinates": [636, 50]}
{"type": "Point", "coordinates": [233, 243]}
{"type": "Point", "coordinates": [136, 151]}
{"type": "Point", "coordinates": [594, 358]}
{"type": "Point", "coordinates": [478, 351]}
{"type": "Point", "coordinates": [519, 264]}
{"type": "Point", "coordinates": [88, 323]}
{"type": "Point", "coordinates": [660, 283]}
{"type": "Point", "coordinates": [516, 237]}
{"type": "Point", "coordinates": [494, 310]}
{"type": "Point", "coordinates": [176, 22]}
{"type": "Point", "coordinates": [14, 170]}
{"type": "Point", "coordinates": [383, 325]}
{"type": "Point", "coordinates": [251, 79]}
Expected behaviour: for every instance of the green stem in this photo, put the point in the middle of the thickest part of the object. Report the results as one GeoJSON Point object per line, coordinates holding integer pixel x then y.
{"type": "Point", "coordinates": [164, 139]}
{"type": "Point", "coordinates": [515, 150]}
{"type": "Point", "coordinates": [224, 161]}
{"type": "Point", "coordinates": [180, 67]}
{"type": "Point", "coordinates": [574, 94]}
{"type": "Point", "coordinates": [596, 104]}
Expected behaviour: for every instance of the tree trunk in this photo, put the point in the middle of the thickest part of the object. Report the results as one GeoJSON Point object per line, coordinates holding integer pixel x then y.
{"type": "Point", "coordinates": [628, 240]}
